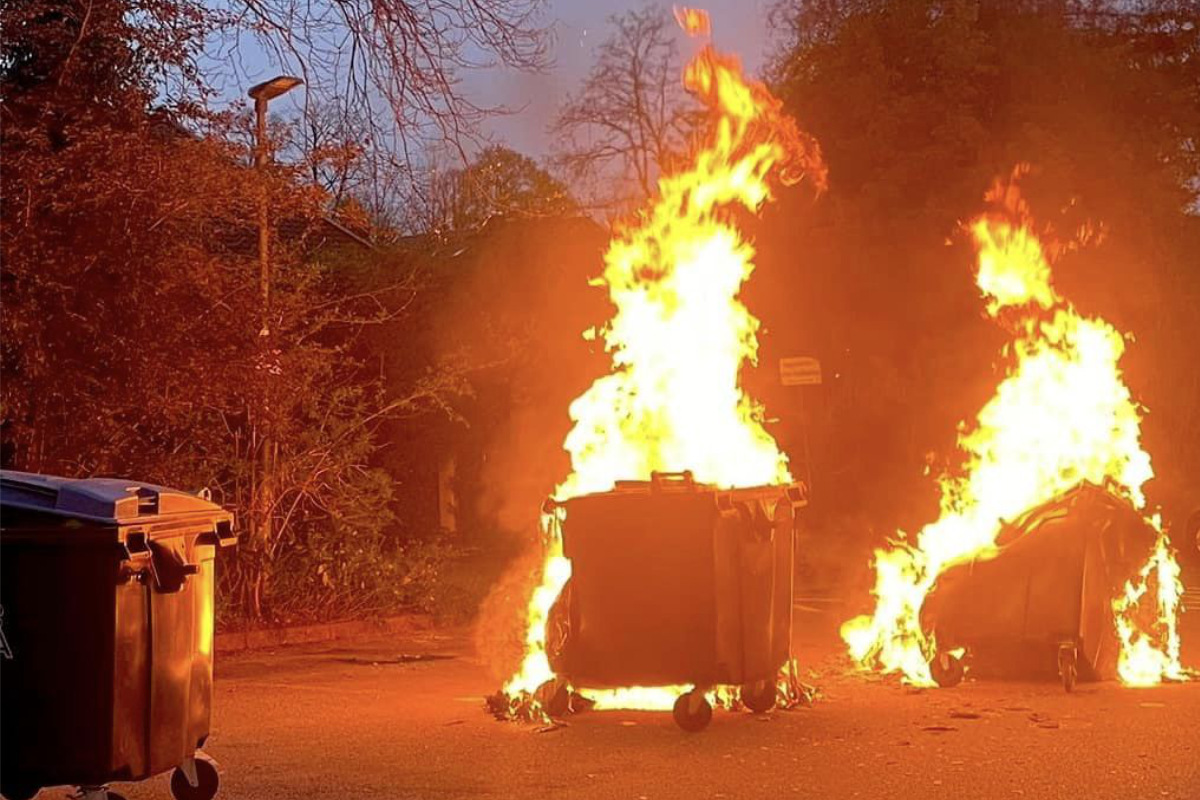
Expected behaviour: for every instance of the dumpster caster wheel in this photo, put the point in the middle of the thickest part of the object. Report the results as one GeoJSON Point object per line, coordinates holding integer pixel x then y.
{"type": "Point", "coordinates": [692, 712]}
{"type": "Point", "coordinates": [946, 669]}
{"type": "Point", "coordinates": [1068, 666]}
{"type": "Point", "coordinates": [1069, 676]}
{"type": "Point", "coordinates": [759, 696]}
{"type": "Point", "coordinates": [205, 788]}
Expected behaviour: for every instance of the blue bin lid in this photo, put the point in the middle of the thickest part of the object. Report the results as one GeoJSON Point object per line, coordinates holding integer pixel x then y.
{"type": "Point", "coordinates": [107, 500]}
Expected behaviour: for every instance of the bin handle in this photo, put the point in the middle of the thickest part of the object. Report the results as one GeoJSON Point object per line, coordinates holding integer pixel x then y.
{"type": "Point", "coordinates": [168, 571]}
{"type": "Point", "coordinates": [660, 479]}
{"type": "Point", "coordinates": [221, 535]}
{"type": "Point", "coordinates": [797, 494]}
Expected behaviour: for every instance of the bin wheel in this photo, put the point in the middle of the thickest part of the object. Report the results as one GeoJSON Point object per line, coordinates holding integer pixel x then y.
{"type": "Point", "coordinates": [207, 782]}
{"type": "Point", "coordinates": [946, 669]}
{"type": "Point", "coordinates": [1069, 676]}
{"type": "Point", "coordinates": [759, 696]}
{"type": "Point", "coordinates": [1068, 666]}
{"type": "Point", "coordinates": [692, 712]}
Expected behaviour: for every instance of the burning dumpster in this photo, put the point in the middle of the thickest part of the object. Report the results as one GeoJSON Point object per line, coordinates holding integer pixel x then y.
{"type": "Point", "coordinates": [678, 583]}
{"type": "Point", "coordinates": [1042, 603]}
{"type": "Point", "coordinates": [107, 589]}
{"type": "Point", "coordinates": [667, 578]}
{"type": "Point", "coordinates": [1061, 417]}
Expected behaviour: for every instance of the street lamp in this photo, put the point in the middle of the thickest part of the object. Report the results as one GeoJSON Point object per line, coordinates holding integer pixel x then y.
{"type": "Point", "coordinates": [262, 488]}
{"type": "Point", "coordinates": [269, 90]}
{"type": "Point", "coordinates": [263, 94]}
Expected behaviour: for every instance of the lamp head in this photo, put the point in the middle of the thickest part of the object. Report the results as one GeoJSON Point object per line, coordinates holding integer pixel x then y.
{"type": "Point", "coordinates": [269, 90]}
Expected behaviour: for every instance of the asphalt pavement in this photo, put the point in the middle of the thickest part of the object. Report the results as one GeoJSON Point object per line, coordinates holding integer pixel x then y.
{"type": "Point", "coordinates": [368, 720]}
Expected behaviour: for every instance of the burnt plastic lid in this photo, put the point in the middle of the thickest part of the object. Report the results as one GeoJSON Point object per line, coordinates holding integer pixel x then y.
{"type": "Point", "coordinates": [113, 500]}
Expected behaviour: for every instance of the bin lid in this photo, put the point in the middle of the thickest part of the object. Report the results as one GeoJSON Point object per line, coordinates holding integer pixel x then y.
{"type": "Point", "coordinates": [107, 500]}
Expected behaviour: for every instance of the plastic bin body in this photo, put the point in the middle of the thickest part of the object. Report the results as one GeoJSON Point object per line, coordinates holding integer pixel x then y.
{"type": "Point", "coordinates": [108, 592]}
{"type": "Point", "coordinates": [676, 583]}
{"type": "Point", "coordinates": [1051, 584]}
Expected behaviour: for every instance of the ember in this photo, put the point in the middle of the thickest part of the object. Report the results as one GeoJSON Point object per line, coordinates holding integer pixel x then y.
{"type": "Point", "coordinates": [678, 340]}
{"type": "Point", "coordinates": [1061, 416]}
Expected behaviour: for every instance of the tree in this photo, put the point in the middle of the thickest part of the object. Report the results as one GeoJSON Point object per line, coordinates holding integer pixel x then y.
{"type": "Point", "coordinates": [391, 68]}
{"type": "Point", "coordinates": [499, 182]}
{"type": "Point", "coordinates": [631, 114]}
{"type": "Point", "coordinates": [918, 105]}
{"type": "Point", "coordinates": [392, 65]}
{"type": "Point", "coordinates": [369, 188]}
{"type": "Point", "coordinates": [70, 61]}
{"type": "Point", "coordinates": [131, 316]}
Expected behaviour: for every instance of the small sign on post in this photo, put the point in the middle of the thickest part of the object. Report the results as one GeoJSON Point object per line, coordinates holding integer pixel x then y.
{"type": "Point", "coordinates": [799, 371]}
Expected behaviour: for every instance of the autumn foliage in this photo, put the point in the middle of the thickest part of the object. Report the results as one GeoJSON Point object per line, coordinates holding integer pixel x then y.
{"type": "Point", "coordinates": [132, 322]}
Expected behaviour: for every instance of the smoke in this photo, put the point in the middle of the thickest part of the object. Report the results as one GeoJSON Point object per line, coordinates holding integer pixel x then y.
{"type": "Point", "coordinates": [515, 302]}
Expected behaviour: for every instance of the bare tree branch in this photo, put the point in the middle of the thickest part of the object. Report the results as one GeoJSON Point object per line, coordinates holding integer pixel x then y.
{"type": "Point", "coordinates": [394, 67]}
{"type": "Point", "coordinates": [632, 115]}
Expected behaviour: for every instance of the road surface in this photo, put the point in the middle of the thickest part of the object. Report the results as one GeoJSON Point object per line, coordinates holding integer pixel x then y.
{"type": "Point", "coordinates": [353, 721]}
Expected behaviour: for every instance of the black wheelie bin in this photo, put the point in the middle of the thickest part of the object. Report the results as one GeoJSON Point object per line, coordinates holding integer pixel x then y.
{"type": "Point", "coordinates": [107, 589]}
{"type": "Point", "coordinates": [675, 582]}
{"type": "Point", "coordinates": [1042, 604]}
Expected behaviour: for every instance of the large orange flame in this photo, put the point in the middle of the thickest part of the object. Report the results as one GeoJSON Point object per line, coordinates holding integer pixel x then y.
{"type": "Point", "coordinates": [680, 335]}
{"type": "Point", "coordinates": [1061, 416]}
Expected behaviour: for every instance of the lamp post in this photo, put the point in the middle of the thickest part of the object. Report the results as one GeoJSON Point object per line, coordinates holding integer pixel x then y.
{"type": "Point", "coordinates": [261, 488]}
{"type": "Point", "coordinates": [263, 94]}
